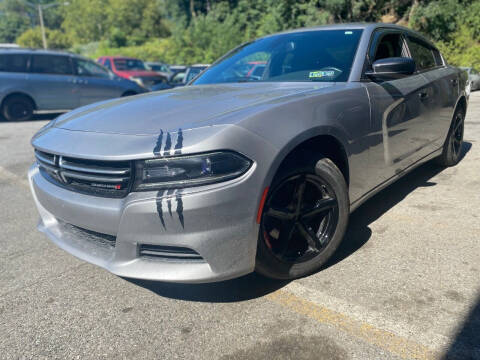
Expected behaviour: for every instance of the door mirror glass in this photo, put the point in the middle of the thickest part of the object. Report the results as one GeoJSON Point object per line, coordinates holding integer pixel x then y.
{"type": "Point", "coordinates": [392, 68]}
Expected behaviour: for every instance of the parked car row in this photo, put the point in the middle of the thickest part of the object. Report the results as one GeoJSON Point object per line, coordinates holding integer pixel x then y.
{"type": "Point", "coordinates": [43, 81]}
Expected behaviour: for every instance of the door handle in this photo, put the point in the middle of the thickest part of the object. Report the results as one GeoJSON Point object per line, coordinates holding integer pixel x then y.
{"type": "Point", "coordinates": [423, 95]}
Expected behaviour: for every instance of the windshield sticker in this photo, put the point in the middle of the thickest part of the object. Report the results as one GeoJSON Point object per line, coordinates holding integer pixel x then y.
{"type": "Point", "coordinates": [319, 74]}
{"type": "Point", "coordinates": [348, 32]}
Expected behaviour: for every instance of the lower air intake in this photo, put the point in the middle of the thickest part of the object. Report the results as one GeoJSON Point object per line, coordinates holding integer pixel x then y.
{"type": "Point", "coordinates": [161, 252]}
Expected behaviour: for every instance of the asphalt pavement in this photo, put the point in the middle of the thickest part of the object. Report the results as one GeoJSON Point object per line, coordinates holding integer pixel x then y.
{"type": "Point", "coordinates": [405, 283]}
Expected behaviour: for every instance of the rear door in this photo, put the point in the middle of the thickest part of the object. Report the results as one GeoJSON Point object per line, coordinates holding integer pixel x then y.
{"type": "Point", "coordinates": [439, 97]}
{"type": "Point", "coordinates": [52, 82]}
{"type": "Point", "coordinates": [397, 110]}
{"type": "Point", "coordinates": [94, 83]}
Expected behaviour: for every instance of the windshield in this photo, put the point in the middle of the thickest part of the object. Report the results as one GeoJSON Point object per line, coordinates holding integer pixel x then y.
{"type": "Point", "coordinates": [129, 64]}
{"type": "Point", "coordinates": [324, 55]}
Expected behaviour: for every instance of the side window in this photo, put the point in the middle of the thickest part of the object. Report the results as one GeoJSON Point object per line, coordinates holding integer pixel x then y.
{"type": "Point", "coordinates": [89, 68]}
{"type": "Point", "coordinates": [386, 46]}
{"type": "Point", "coordinates": [422, 54]}
{"type": "Point", "coordinates": [51, 64]}
{"type": "Point", "coordinates": [14, 62]}
{"type": "Point", "coordinates": [108, 64]}
{"type": "Point", "coordinates": [438, 57]}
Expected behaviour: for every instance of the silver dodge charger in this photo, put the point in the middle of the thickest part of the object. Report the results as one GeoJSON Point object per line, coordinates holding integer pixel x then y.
{"type": "Point", "coordinates": [233, 173]}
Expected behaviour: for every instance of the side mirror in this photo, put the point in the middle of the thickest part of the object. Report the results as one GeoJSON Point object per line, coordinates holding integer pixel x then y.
{"type": "Point", "coordinates": [392, 68]}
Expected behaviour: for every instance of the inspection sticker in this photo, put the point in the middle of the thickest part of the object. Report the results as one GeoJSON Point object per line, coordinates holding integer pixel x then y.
{"type": "Point", "coordinates": [319, 74]}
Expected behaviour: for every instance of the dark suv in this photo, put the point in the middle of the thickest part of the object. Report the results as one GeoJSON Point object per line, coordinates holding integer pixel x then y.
{"type": "Point", "coordinates": [38, 81]}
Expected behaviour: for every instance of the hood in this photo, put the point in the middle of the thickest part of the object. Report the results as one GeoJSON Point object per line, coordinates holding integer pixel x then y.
{"type": "Point", "coordinates": [142, 73]}
{"type": "Point", "coordinates": [181, 108]}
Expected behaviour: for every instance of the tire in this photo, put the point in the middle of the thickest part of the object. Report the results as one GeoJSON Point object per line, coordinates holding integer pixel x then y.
{"type": "Point", "coordinates": [17, 108]}
{"type": "Point", "coordinates": [303, 250]}
{"type": "Point", "coordinates": [452, 147]}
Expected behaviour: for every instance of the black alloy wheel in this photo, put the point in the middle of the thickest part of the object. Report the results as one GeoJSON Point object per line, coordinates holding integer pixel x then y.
{"type": "Point", "coordinates": [452, 148]}
{"type": "Point", "coordinates": [299, 218]}
{"type": "Point", "coordinates": [17, 108]}
{"type": "Point", "coordinates": [303, 220]}
{"type": "Point", "coordinates": [456, 136]}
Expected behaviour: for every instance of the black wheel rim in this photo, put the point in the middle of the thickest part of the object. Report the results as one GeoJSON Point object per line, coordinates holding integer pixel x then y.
{"type": "Point", "coordinates": [19, 110]}
{"type": "Point", "coordinates": [299, 218]}
{"type": "Point", "coordinates": [456, 137]}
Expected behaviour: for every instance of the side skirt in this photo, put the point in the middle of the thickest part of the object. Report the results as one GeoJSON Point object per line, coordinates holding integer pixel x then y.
{"type": "Point", "coordinates": [386, 183]}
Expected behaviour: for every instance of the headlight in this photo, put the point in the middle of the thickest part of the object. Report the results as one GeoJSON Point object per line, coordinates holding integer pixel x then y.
{"type": "Point", "coordinates": [186, 171]}
{"type": "Point", "coordinates": [138, 80]}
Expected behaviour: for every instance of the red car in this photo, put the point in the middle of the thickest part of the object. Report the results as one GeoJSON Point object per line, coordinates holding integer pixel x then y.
{"type": "Point", "coordinates": [132, 69]}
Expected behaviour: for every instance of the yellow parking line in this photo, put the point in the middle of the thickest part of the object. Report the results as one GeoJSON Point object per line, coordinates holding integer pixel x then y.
{"type": "Point", "coordinates": [386, 340]}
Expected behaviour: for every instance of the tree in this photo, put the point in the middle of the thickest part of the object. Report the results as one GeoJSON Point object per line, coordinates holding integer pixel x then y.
{"type": "Point", "coordinates": [32, 38]}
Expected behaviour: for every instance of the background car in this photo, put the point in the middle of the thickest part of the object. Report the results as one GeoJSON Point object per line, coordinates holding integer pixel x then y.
{"type": "Point", "coordinates": [473, 78]}
{"type": "Point", "coordinates": [159, 67]}
{"type": "Point", "coordinates": [132, 69]}
{"type": "Point", "coordinates": [49, 81]}
{"type": "Point", "coordinates": [181, 78]}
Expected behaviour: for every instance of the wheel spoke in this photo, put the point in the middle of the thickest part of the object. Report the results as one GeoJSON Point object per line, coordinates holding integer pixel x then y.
{"type": "Point", "coordinates": [320, 206]}
{"type": "Point", "coordinates": [288, 238]}
{"type": "Point", "coordinates": [458, 124]}
{"type": "Point", "coordinates": [280, 213]}
{"type": "Point", "coordinates": [309, 235]}
{"type": "Point", "coordinates": [299, 191]}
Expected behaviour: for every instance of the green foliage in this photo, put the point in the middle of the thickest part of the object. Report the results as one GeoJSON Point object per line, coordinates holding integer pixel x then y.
{"type": "Point", "coordinates": [190, 31]}
{"type": "Point", "coordinates": [33, 38]}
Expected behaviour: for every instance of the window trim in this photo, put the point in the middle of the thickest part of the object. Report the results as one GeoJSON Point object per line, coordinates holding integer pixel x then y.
{"type": "Point", "coordinates": [367, 64]}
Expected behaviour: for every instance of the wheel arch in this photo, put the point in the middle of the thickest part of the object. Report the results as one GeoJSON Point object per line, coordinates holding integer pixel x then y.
{"type": "Point", "coordinates": [328, 141]}
{"type": "Point", "coordinates": [18, 93]}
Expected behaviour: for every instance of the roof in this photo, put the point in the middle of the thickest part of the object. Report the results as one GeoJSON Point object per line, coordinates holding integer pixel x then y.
{"type": "Point", "coordinates": [355, 26]}
{"type": "Point", "coordinates": [34, 51]}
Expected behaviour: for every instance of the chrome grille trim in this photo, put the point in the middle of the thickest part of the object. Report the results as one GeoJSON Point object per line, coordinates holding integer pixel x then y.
{"type": "Point", "coordinates": [98, 178]}
{"type": "Point", "coordinates": [65, 164]}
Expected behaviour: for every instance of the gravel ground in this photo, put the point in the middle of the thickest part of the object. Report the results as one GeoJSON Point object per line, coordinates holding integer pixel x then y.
{"type": "Point", "coordinates": [404, 284]}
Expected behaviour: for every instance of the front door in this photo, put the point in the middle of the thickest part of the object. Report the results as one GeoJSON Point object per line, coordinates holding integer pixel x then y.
{"type": "Point", "coordinates": [94, 82]}
{"type": "Point", "coordinates": [398, 111]}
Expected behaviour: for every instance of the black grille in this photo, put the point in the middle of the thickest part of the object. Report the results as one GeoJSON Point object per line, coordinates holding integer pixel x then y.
{"type": "Point", "coordinates": [168, 253]}
{"type": "Point", "coordinates": [92, 177]}
{"type": "Point", "coordinates": [103, 240]}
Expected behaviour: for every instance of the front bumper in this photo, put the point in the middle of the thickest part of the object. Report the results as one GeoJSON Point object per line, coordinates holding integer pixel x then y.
{"type": "Point", "coordinates": [216, 221]}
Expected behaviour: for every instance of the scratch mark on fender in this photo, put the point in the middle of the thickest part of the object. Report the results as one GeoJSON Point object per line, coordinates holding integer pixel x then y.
{"type": "Point", "coordinates": [180, 209]}
{"type": "Point", "coordinates": [160, 208]}
{"type": "Point", "coordinates": [179, 145]}
{"type": "Point", "coordinates": [168, 145]}
{"type": "Point", "coordinates": [158, 145]}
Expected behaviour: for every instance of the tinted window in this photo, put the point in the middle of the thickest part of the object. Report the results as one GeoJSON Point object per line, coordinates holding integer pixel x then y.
{"type": "Point", "coordinates": [14, 62]}
{"type": "Point", "coordinates": [129, 64]}
{"type": "Point", "coordinates": [390, 45]}
{"type": "Point", "coordinates": [324, 55]}
{"type": "Point", "coordinates": [89, 68]}
{"type": "Point", "coordinates": [108, 64]}
{"type": "Point", "coordinates": [438, 57]}
{"type": "Point", "coordinates": [51, 64]}
{"type": "Point", "coordinates": [422, 54]}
